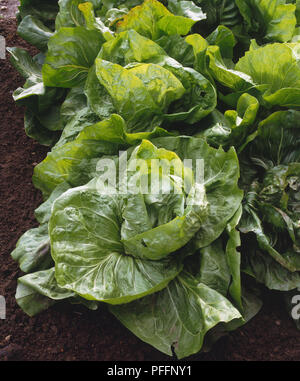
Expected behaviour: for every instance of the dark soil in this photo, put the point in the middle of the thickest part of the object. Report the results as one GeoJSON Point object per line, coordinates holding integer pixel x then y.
{"type": "Point", "coordinates": [68, 332]}
{"type": "Point", "coordinates": [8, 8]}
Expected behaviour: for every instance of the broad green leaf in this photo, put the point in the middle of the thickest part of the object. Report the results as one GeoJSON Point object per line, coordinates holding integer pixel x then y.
{"type": "Point", "coordinates": [141, 92]}
{"type": "Point", "coordinates": [214, 271]}
{"type": "Point", "coordinates": [24, 63]}
{"type": "Point", "coordinates": [219, 12]}
{"type": "Point", "coordinates": [234, 79]}
{"type": "Point", "coordinates": [74, 102]}
{"type": "Point", "coordinates": [31, 301]}
{"type": "Point", "coordinates": [43, 102]}
{"type": "Point", "coordinates": [220, 173]}
{"type": "Point", "coordinates": [251, 222]}
{"type": "Point", "coordinates": [69, 14]}
{"type": "Point", "coordinates": [189, 108]}
{"type": "Point", "coordinates": [187, 9]}
{"type": "Point", "coordinates": [269, 272]}
{"type": "Point", "coordinates": [89, 256]}
{"type": "Point", "coordinates": [177, 317]}
{"type": "Point", "coordinates": [234, 127]}
{"type": "Point", "coordinates": [215, 129]}
{"type": "Point", "coordinates": [103, 138]}
{"type": "Point", "coordinates": [278, 138]}
{"type": "Point", "coordinates": [272, 20]}
{"type": "Point", "coordinates": [242, 120]}
{"type": "Point", "coordinates": [94, 23]}
{"type": "Point", "coordinates": [224, 38]}
{"type": "Point", "coordinates": [83, 118]}
{"type": "Point", "coordinates": [35, 130]}
{"type": "Point", "coordinates": [35, 32]}
{"type": "Point", "coordinates": [152, 19]}
{"type": "Point", "coordinates": [32, 251]}
{"type": "Point", "coordinates": [130, 46]}
{"type": "Point", "coordinates": [99, 99]}
{"type": "Point", "coordinates": [154, 233]}
{"type": "Point", "coordinates": [45, 11]}
{"type": "Point", "coordinates": [277, 80]}
{"type": "Point", "coordinates": [176, 47]}
{"type": "Point", "coordinates": [38, 291]}
{"type": "Point", "coordinates": [43, 212]}
{"type": "Point", "coordinates": [71, 52]}
{"type": "Point", "coordinates": [130, 96]}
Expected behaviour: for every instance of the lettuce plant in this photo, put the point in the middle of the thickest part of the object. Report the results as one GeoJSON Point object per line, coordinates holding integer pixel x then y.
{"type": "Point", "coordinates": [193, 86]}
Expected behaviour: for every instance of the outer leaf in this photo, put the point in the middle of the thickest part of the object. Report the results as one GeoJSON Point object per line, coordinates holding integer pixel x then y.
{"type": "Point", "coordinates": [24, 63]}
{"type": "Point", "coordinates": [269, 272]}
{"type": "Point", "coordinates": [43, 212]}
{"type": "Point", "coordinates": [234, 127]}
{"type": "Point", "coordinates": [35, 32]}
{"type": "Point", "coordinates": [219, 12]}
{"type": "Point", "coordinates": [38, 291]}
{"type": "Point", "coordinates": [32, 251]}
{"type": "Point", "coordinates": [278, 139]}
{"type": "Point", "coordinates": [35, 130]}
{"type": "Point", "coordinates": [177, 317]}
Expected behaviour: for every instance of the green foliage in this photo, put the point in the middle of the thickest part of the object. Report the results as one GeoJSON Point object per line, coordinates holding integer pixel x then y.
{"type": "Point", "coordinates": [215, 82]}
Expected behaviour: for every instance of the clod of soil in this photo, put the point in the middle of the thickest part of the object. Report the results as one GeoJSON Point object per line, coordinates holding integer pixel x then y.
{"type": "Point", "coordinates": [68, 332]}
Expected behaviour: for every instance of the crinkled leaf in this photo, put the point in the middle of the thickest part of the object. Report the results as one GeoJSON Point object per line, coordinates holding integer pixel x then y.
{"type": "Point", "coordinates": [153, 234]}
{"type": "Point", "coordinates": [89, 256]}
{"type": "Point", "coordinates": [104, 138]}
{"type": "Point", "coordinates": [221, 173]}
{"type": "Point", "coordinates": [152, 19]}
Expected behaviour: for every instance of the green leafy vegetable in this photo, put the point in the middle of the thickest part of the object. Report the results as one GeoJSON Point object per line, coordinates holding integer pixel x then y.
{"type": "Point", "coordinates": [171, 188]}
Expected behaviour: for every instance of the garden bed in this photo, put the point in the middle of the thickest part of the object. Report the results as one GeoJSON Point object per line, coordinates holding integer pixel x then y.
{"type": "Point", "coordinates": [68, 332]}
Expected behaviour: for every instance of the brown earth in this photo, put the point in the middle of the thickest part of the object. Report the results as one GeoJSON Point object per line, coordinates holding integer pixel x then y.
{"type": "Point", "coordinates": [68, 332]}
{"type": "Point", "coordinates": [8, 8]}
